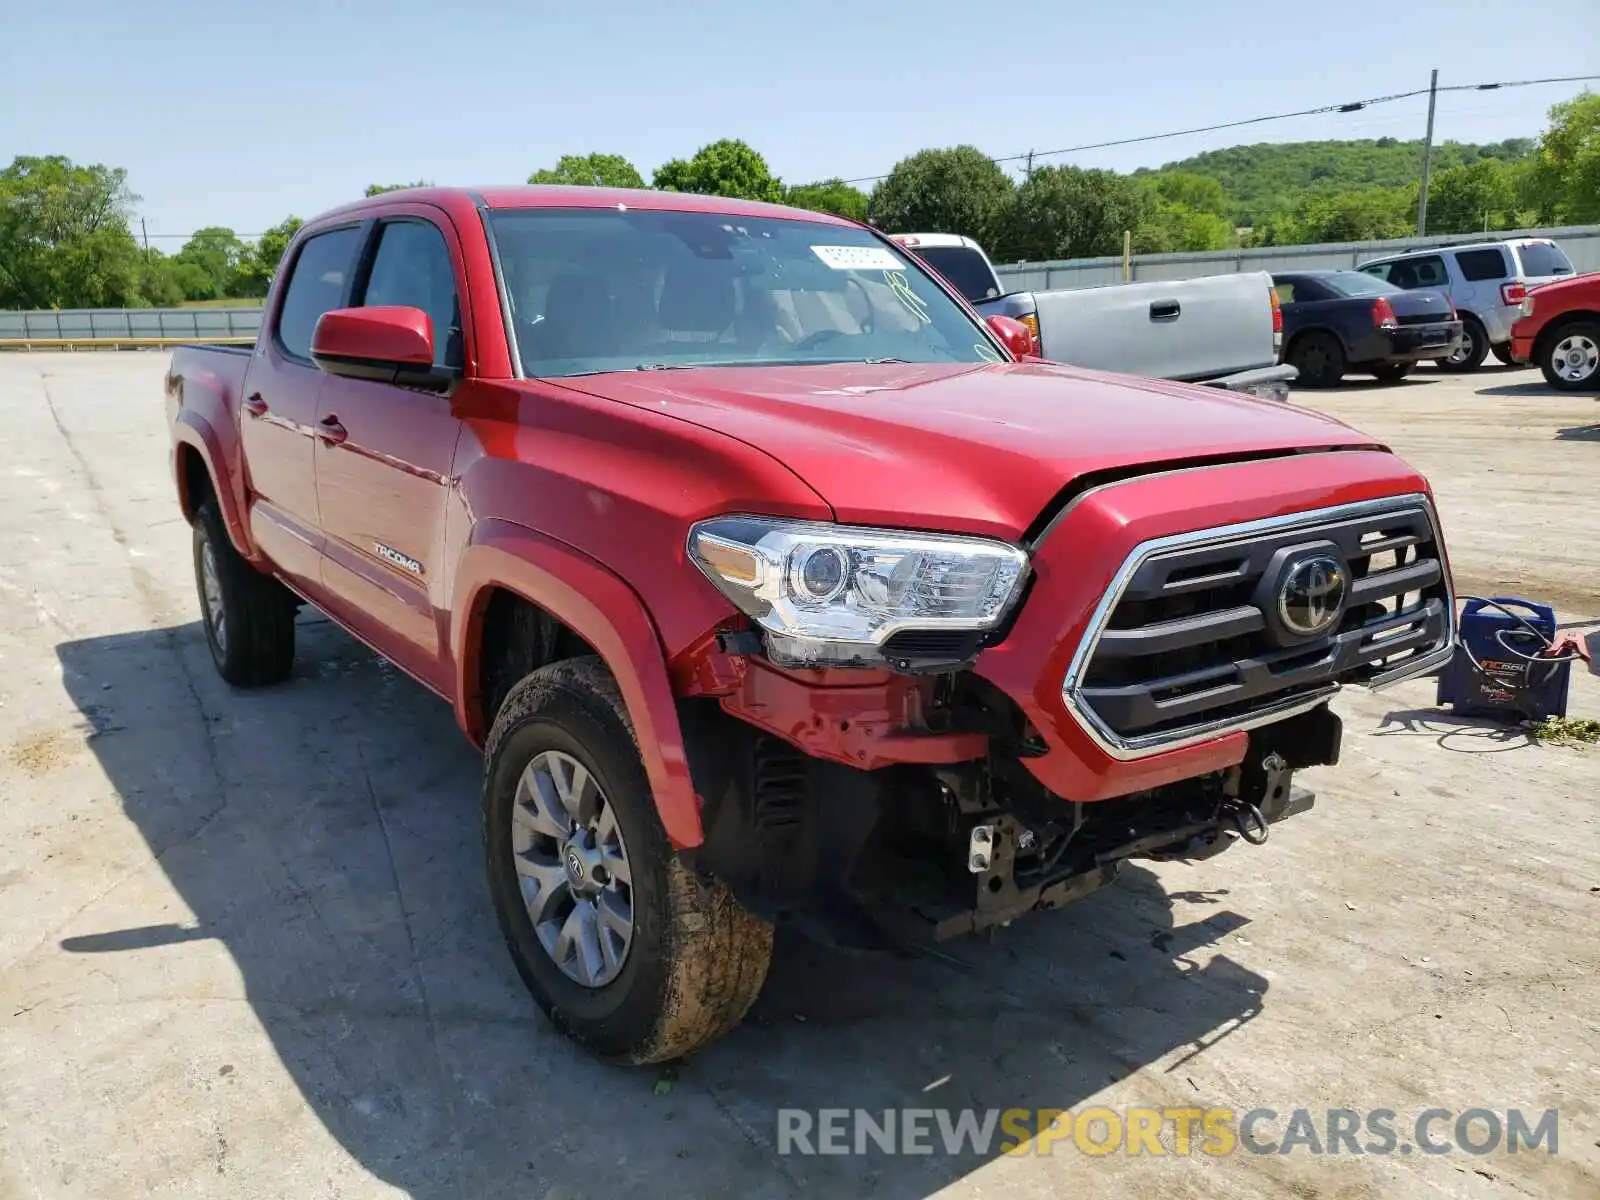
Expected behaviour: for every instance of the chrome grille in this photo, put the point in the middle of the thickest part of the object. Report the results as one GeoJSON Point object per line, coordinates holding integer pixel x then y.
{"type": "Point", "coordinates": [1188, 644]}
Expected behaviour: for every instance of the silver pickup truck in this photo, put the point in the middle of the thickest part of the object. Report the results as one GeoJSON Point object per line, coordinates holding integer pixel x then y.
{"type": "Point", "coordinates": [1222, 330]}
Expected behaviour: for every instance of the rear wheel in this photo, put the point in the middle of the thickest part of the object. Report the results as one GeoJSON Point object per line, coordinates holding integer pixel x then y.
{"type": "Point", "coordinates": [627, 950]}
{"type": "Point", "coordinates": [1474, 347]}
{"type": "Point", "coordinates": [1392, 372]}
{"type": "Point", "coordinates": [1318, 357]}
{"type": "Point", "coordinates": [1502, 354]}
{"type": "Point", "coordinates": [1570, 357]}
{"type": "Point", "coordinates": [248, 617]}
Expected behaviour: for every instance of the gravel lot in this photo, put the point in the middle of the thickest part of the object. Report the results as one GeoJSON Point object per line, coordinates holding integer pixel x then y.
{"type": "Point", "coordinates": [245, 948]}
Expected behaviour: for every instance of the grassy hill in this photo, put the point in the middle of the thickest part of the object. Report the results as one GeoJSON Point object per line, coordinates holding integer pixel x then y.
{"type": "Point", "coordinates": [1268, 178]}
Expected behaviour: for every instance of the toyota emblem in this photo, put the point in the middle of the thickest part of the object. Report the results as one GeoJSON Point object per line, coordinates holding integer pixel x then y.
{"type": "Point", "coordinates": [1311, 595]}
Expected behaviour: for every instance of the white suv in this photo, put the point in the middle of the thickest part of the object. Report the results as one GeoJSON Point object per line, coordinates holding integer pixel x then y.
{"type": "Point", "coordinates": [1486, 281]}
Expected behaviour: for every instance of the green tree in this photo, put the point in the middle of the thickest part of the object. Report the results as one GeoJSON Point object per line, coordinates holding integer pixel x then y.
{"type": "Point", "coordinates": [725, 168]}
{"type": "Point", "coordinates": [1369, 214]}
{"type": "Point", "coordinates": [1196, 192]}
{"type": "Point", "coordinates": [1481, 195]}
{"type": "Point", "coordinates": [591, 170]}
{"type": "Point", "coordinates": [255, 272]}
{"type": "Point", "coordinates": [830, 196]}
{"type": "Point", "coordinates": [64, 239]}
{"type": "Point", "coordinates": [956, 190]}
{"type": "Point", "coordinates": [208, 264]}
{"type": "Point", "coordinates": [378, 189]}
{"type": "Point", "coordinates": [1070, 212]}
{"type": "Point", "coordinates": [1564, 183]}
{"type": "Point", "coordinates": [157, 282]}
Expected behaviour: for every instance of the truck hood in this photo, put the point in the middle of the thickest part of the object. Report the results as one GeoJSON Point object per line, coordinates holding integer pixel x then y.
{"type": "Point", "coordinates": [976, 448]}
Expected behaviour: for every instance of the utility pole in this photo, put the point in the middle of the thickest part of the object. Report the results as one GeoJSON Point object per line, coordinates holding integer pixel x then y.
{"type": "Point", "coordinates": [1028, 173]}
{"type": "Point", "coordinates": [145, 234]}
{"type": "Point", "coordinates": [1427, 154]}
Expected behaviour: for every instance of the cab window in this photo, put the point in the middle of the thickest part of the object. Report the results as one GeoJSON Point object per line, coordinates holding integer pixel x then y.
{"type": "Point", "coordinates": [317, 283]}
{"type": "Point", "coordinates": [412, 269]}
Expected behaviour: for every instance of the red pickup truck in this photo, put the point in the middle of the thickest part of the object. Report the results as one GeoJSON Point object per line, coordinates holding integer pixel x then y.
{"type": "Point", "coordinates": [1560, 333]}
{"type": "Point", "coordinates": [775, 584]}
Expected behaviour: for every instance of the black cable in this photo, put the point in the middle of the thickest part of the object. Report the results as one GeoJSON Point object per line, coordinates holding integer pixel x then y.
{"type": "Point", "coordinates": [1553, 660]}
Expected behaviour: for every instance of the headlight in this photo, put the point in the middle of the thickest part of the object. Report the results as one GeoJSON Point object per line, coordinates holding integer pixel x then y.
{"type": "Point", "coordinates": [831, 595]}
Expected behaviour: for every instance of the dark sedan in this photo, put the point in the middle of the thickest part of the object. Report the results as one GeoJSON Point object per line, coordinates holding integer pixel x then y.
{"type": "Point", "coordinates": [1336, 322]}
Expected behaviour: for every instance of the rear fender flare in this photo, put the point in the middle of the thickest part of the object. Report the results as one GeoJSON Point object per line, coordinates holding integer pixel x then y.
{"type": "Point", "coordinates": [193, 431]}
{"type": "Point", "coordinates": [599, 607]}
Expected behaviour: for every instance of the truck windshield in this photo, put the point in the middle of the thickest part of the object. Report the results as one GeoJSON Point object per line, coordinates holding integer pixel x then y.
{"type": "Point", "coordinates": [594, 290]}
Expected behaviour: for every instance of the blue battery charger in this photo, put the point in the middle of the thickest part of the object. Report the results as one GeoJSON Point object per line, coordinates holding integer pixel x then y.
{"type": "Point", "coordinates": [1498, 669]}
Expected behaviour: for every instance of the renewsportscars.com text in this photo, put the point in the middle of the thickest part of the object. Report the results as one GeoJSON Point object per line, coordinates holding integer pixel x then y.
{"type": "Point", "coordinates": [1166, 1131]}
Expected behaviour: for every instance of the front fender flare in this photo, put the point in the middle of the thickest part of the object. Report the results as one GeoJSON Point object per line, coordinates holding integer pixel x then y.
{"type": "Point", "coordinates": [599, 607]}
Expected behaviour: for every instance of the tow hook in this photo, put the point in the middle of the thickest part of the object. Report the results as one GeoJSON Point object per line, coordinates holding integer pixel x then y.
{"type": "Point", "coordinates": [1247, 819]}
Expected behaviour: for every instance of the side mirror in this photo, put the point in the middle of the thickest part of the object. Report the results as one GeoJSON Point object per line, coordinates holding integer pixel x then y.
{"type": "Point", "coordinates": [1014, 336]}
{"type": "Point", "coordinates": [386, 344]}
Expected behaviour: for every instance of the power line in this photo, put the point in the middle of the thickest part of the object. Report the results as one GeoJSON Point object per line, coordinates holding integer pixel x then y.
{"type": "Point", "coordinates": [1351, 106]}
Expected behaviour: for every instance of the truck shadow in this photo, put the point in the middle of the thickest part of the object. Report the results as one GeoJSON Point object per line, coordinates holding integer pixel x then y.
{"type": "Point", "coordinates": [327, 833]}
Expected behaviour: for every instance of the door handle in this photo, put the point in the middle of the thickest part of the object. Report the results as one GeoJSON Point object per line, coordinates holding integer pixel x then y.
{"type": "Point", "coordinates": [330, 432]}
{"type": "Point", "coordinates": [255, 405]}
{"type": "Point", "coordinates": [1164, 310]}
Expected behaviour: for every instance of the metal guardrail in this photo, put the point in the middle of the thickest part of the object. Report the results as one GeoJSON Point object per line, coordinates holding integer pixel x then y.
{"type": "Point", "coordinates": [116, 343]}
{"type": "Point", "coordinates": [110, 328]}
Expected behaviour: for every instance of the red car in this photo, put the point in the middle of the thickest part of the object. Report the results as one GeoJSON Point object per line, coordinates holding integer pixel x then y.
{"type": "Point", "coordinates": [774, 585]}
{"type": "Point", "coordinates": [1561, 333]}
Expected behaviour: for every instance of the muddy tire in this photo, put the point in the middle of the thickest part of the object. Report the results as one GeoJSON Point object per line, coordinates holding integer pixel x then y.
{"type": "Point", "coordinates": [691, 961]}
{"type": "Point", "coordinates": [248, 617]}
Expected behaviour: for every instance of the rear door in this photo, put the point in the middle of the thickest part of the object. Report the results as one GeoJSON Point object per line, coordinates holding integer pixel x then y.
{"type": "Point", "coordinates": [1482, 271]}
{"type": "Point", "coordinates": [385, 454]}
{"type": "Point", "coordinates": [280, 407]}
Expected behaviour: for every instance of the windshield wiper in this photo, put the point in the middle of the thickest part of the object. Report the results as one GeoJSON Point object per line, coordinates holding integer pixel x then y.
{"type": "Point", "coordinates": [660, 366]}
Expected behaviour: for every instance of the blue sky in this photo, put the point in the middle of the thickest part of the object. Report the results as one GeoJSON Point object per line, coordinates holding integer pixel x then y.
{"type": "Point", "coordinates": [237, 112]}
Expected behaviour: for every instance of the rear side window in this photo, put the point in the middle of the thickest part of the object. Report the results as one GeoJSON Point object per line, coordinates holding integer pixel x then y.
{"type": "Point", "coordinates": [1482, 264]}
{"type": "Point", "coordinates": [412, 269]}
{"type": "Point", "coordinates": [1411, 273]}
{"type": "Point", "coordinates": [1543, 258]}
{"type": "Point", "coordinates": [1377, 270]}
{"type": "Point", "coordinates": [317, 284]}
{"type": "Point", "coordinates": [964, 267]}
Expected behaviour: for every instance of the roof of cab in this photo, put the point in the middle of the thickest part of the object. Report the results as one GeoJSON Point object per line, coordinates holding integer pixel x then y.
{"type": "Point", "coordinates": [504, 196]}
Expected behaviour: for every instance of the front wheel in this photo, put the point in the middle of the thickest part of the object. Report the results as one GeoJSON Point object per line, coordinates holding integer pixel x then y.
{"type": "Point", "coordinates": [1570, 357]}
{"type": "Point", "coordinates": [1392, 372]}
{"type": "Point", "coordinates": [628, 952]}
{"type": "Point", "coordinates": [1502, 355]}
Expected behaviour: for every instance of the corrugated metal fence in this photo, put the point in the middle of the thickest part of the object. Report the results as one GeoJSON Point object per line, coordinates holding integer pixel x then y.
{"type": "Point", "coordinates": [1581, 242]}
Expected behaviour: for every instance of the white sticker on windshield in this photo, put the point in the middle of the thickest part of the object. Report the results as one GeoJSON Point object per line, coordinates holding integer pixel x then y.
{"type": "Point", "coordinates": [858, 258]}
